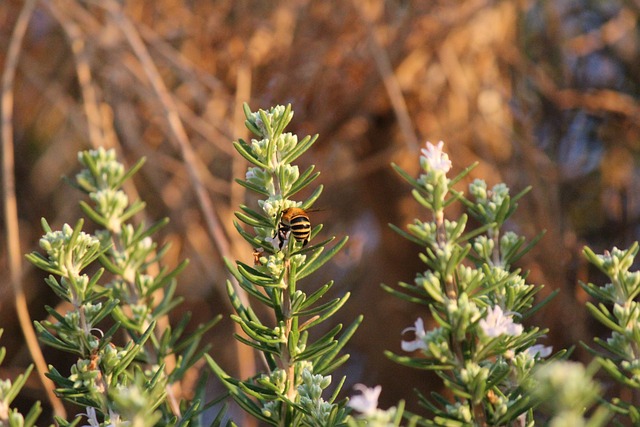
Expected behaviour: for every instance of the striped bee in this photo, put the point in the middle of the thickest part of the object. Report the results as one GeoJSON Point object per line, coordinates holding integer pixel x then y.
{"type": "Point", "coordinates": [296, 221]}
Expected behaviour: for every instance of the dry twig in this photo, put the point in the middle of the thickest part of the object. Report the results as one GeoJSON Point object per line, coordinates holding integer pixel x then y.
{"type": "Point", "coordinates": [11, 209]}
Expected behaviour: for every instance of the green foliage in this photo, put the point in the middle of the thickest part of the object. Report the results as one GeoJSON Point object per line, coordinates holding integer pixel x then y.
{"type": "Point", "coordinates": [129, 383]}
{"type": "Point", "coordinates": [290, 391]}
{"type": "Point", "coordinates": [479, 348]}
{"type": "Point", "coordinates": [618, 310]}
{"type": "Point", "coordinates": [8, 392]}
{"type": "Point", "coordinates": [565, 391]}
{"type": "Point", "coordinates": [496, 373]}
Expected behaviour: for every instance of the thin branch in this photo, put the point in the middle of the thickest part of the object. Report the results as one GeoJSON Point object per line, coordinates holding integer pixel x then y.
{"type": "Point", "coordinates": [389, 78]}
{"type": "Point", "coordinates": [173, 119]}
{"type": "Point", "coordinates": [11, 210]}
{"type": "Point", "coordinates": [243, 94]}
{"type": "Point", "coordinates": [214, 228]}
{"type": "Point", "coordinates": [596, 101]}
{"type": "Point", "coordinates": [83, 71]}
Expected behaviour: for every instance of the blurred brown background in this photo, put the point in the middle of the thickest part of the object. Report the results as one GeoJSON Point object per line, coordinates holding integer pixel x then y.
{"type": "Point", "coordinates": [540, 93]}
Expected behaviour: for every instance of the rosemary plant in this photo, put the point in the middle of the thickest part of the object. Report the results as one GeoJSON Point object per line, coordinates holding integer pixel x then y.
{"type": "Point", "coordinates": [564, 391]}
{"type": "Point", "coordinates": [618, 310]}
{"type": "Point", "coordinates": [8, 392]}
{"type": "Point", "coordinates": [479, 346]}
{"type": "Point", "coordinates": [136, 382]}
{"type": "Point", "coordinates": [292, 389]}
{"type": "Point", "coordinates": [131, 360]}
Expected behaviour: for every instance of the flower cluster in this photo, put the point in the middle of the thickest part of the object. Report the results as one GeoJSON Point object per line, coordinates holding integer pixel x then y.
{"type": "Point", "coordinates": [479, 346]}
{"type": "Point", "coordinates": [496, 323]}
{"type": "Point", "coordinates": [366, 404]}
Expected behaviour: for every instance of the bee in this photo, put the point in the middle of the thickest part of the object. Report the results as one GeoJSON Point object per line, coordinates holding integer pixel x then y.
{"type": "Point", "coordinates": [296, 221]}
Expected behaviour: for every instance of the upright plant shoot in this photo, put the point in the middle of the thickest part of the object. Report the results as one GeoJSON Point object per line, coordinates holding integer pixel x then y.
{"type": "Point", "coordinates": [479, 346]}
{"type": "Point", "coordinates": [290, 391]}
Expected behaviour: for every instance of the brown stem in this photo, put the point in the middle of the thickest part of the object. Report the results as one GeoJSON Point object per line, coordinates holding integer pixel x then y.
{"type": "Point", "coordinates": [369, 13]}
{"type": "Point", "coordinates": [90, 102]}
{"type": "Point", "coordinates": [478, 414]}
{"type": "Point", "coordinates": [179, 134]}
{"type": "Point", "coordinates": [11, 208]}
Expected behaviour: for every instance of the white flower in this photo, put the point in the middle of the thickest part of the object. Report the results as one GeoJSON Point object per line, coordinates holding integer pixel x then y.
{"type": "Point", "coordinates": [497, 323]}
{"type": "Point", "coordinates": [539, 350]}
{"type": "Point", "coordinates": [418, 342]}
{"type": "Point", "coordinates": [269, 206]}
{"type": "Point", "coordinates": [436, 159]}
{"type": "Point", "coordinates": [367, 402]}
{"type": "Point", "coordinates": [253, 174]}
{"type": "Point", "coordinates": [92, 418]}
{"type": "Point", "coordinates": [275, 242]}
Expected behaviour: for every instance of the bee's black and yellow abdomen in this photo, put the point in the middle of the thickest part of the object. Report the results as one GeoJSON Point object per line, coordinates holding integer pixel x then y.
{"type": "Point", "coordinates": [301, 228]}
{"type": "Point", "coordinates": [296, 221]}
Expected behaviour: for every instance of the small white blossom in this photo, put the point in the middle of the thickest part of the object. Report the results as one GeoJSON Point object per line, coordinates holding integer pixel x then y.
{"type": "Point", "coordinates": [367, 402]}
{"type": "Point", "coordinates": [539, 350]}
{"type": "Point", "coordinates": [497, 323]}
{"type": "Point", "coordinates": [250, 174]}
{"type": "Point", "coordinates": [418, 342]}
{"type": "Point", "coordinates": [436, 159]}
{"type": "Point", "coordinates": [92, 418]}
{"type": "Point", "coordinates": [275, 242]}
